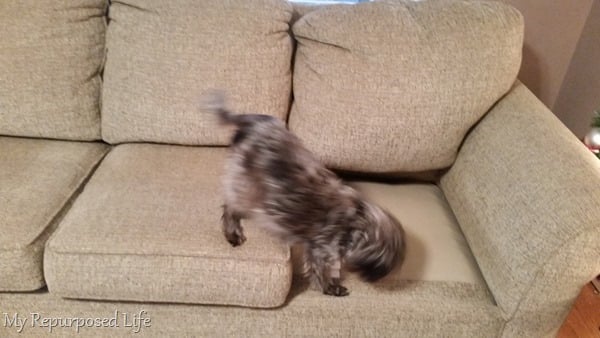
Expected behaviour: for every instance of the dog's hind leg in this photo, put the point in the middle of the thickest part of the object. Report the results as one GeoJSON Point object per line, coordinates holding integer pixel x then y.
{"type": "Point", "coordinates": [232, 228]}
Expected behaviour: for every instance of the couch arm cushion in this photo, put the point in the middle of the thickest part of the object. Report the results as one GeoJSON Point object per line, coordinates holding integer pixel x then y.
{"type": "Point", "coordinates": [525, 192]}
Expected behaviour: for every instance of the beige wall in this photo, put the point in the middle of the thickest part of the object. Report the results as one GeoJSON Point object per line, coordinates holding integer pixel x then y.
{"type": "Point", "coordinates": [579, 95]}
{"type": "Point", "coordinates": [555, 51]}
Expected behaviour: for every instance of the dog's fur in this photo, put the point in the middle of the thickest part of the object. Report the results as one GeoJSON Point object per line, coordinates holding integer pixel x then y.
{"type": "Point", "coordinates": [271, 176]}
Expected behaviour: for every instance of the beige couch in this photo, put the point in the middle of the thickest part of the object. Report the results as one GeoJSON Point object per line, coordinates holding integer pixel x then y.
{"type": "Point", "coordinates": [109, 170]}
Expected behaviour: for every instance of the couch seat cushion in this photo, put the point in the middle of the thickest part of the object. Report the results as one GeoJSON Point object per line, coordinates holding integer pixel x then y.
{"type": "Point", "coordinates": [394, 86]}
{"type": "Point", "coordinates": [436, 249]}
{"type": "Point", "coordinates": [163, 55]}
{"type": "Point", "coordinates": [51, 55]}
{"type": "Point", "coordinates": [438, 293]}
{"type": "Point", "coordinates": [147, 228]}
{"type": "Point", "coordinates": [38, 178]}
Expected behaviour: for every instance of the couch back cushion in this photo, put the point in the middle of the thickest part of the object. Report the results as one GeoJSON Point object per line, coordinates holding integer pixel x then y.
{"type": "Point", "coordinates": [393, 87]}
{"type": "Point", "coordinates": [51, 55]}
{"type": "Point", "coordinates": [164, 55]}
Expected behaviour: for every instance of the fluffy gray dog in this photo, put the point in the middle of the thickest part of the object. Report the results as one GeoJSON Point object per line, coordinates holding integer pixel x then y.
{"type": "Point", "coordinates": [270, 176]}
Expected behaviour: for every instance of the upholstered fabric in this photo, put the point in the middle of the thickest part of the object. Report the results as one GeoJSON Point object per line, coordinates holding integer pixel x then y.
{"type": "Point", "coordinates": [51, 54]}
{"type": "Point", "coordinates": [164, 55]}
{"type": "Point", "coordinates": [396, 309]}
{"type": "Point", "coordinates": [148, 228]}
{"type": "Point", "coordinates": [38, 178]}
{"type": "Point", "coordinates": [394, 86]}
{"type": "Point", "coordinates": [525, 193]}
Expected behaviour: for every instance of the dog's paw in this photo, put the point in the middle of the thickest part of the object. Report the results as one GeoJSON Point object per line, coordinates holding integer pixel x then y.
{"type": "Point", "coordinates": [235, 239]}
{"type": "Point", "coordinates": [336, 290]}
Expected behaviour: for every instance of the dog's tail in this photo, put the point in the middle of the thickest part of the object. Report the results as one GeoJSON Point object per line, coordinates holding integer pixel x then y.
{"type": "Point", "coordinates": [214, 102]}
{"type": "Point", "coordinates": [379, 247]}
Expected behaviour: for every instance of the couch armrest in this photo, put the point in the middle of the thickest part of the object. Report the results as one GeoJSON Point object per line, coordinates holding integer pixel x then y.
{"type": "Point", "coordinates": [525, 192]}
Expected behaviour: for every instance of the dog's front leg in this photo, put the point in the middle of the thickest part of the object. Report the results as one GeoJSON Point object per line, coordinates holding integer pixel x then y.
{"type": "Point", "coordinates": [334, 287]}
{"type": "Point", "coordinates": [324, 271]}
{"type": "Point", "coordinates": [232, 228]}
